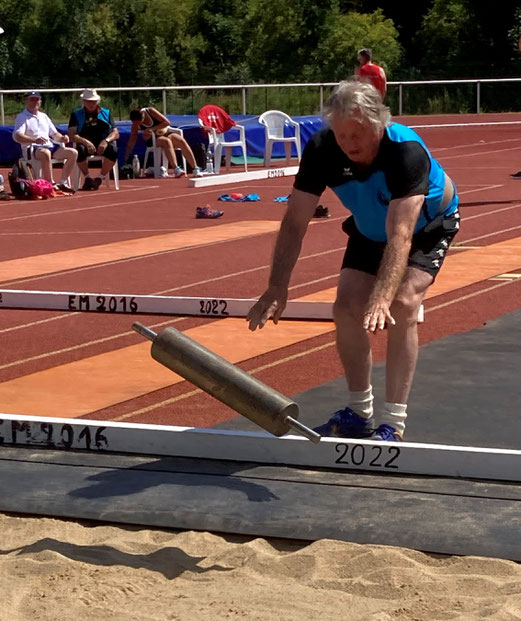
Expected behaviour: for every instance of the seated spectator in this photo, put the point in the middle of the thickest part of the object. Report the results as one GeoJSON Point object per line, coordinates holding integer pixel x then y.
{"type": "Point", "coordinates": [150, 120]}
{"type": "Point", "coordinates": [33, 127]}
{"type": "Point", "coordinates": [93, 130]}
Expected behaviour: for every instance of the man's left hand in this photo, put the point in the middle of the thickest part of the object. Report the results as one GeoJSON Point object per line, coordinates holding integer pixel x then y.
{"type": "Point", "coordinates": [376, 316]}
{"type": "Point", "coordinates": [101, 147]}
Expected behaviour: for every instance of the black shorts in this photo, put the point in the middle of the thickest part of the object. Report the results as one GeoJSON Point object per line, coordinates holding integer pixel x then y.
{"type": "Point", "coordinates": [111, 152]}
{"type": "Point", "coordinates": [428, 250]}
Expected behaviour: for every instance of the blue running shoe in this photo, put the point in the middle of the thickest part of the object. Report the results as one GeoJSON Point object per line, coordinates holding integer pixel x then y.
{"type": "Point", "coordinates": [386, 433]}
{"type": "Point", "coordinates": [346, 424]}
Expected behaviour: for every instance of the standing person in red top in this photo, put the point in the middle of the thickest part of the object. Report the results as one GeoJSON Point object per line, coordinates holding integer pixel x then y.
{"type": "Point", "coordinates": [371, 72]}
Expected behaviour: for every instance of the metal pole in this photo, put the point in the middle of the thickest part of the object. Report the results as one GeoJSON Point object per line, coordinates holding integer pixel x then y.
{"type": "Point", "coordinates": [321, 99]}
{"type": "Point", "coordinates": [243, 89]}
{"type": "Point", "coordinates": [478, 96]}
{"type": "Point", "coordinates": [164, 102]}
{"type": "Point", "coordinates": [400, 100]}
{"type": "Point", "coordinates": [2, 106]}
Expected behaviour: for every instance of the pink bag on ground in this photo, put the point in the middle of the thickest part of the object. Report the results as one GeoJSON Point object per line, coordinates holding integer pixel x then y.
{"type": "Point", "coordinates": [40, 188]}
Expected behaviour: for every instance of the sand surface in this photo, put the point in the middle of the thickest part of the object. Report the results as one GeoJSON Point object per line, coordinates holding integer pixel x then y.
{"type": "Point", "coordinates": [55, 569]}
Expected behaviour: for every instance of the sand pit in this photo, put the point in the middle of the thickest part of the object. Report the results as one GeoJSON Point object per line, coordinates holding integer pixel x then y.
{"type": "Point", "coordinates": [54, 569]}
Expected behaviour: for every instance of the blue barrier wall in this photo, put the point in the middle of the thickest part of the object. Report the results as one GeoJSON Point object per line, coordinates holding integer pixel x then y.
{"type": "Point", "coordinates": [255, 136]}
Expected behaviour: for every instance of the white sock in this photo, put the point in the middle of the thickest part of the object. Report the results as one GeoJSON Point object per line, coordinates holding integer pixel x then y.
{"type": "Point", "coordinates": [361, 402]}
{"type": "Point", "coordinates": [101, 176]}
{"type": "Point", "coordinates": [394, 414]}
{"type": "Point", "coordinates": [64, 181]}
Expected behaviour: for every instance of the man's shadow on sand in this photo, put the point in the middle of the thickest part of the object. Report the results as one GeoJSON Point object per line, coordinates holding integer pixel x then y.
{"type": "Point", "coordinates": [169, 561]}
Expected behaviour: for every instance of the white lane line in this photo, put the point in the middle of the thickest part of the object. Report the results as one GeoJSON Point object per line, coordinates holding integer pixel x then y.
{"type": "Point", "coordinates": [464, 155]}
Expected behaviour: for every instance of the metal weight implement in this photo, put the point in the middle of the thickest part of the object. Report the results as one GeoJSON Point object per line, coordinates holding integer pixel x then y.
{"type": "Point", "coordinates": [232, 386]}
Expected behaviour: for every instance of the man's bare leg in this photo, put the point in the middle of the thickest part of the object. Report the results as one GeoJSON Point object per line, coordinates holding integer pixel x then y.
{"type": "Point", "coordinates": [402, 348]}
{"type": "Point", "coordinates": [69, 157]}
{"type": "Point", "coordinates": [353, 342]}
{"type": "Point", "coordinates": [44, 158]}
{"type": "Point", "coordinates": [402, 345]}
{"type": "Point", "coordinates": [354, 349]}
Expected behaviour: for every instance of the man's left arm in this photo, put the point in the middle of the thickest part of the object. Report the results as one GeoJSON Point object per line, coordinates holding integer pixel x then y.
{"type": "Point", "coordinates": [402, 217]}
{"type": "Point", "coordinates": [113, 135]}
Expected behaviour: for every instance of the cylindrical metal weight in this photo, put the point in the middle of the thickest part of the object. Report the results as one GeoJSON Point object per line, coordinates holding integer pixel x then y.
{"type": "Point", "coordinates": [224, 381]}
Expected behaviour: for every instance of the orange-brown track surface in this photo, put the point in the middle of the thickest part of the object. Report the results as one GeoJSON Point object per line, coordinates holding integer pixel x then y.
{"type": "Point", "coordinates": [144, 239]}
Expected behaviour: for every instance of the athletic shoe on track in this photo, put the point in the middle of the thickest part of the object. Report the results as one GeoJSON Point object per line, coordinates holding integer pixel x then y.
{"type": "Point", "coordinates": [179, 172]}
{"type": "Point", "coordinates": [198, 172]}
{"type": "Point", "coordinates": [88, 184]}
{"type": "Point", "coordinates": [386, 433]}
{"type": "Point", "coordinates": [346, 424]}
{"type": "Point", "coordinates": [207, 212]}
{"type": "Point", "coordinates": [516, 175]}
{"type": "Point", "coordinates": [96, 183]}
{"type": "Point", "coordinates": [322, 212]}
{"type": "Point", "coordinates": [63, 187]}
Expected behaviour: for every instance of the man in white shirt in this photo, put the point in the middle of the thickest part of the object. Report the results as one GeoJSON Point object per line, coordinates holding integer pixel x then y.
{"type": "Point", "coordinates": [36, 129]}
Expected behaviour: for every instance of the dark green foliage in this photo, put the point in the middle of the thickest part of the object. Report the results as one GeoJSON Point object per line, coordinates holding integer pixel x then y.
{"type": "Point", "coordinates": [164, 42]}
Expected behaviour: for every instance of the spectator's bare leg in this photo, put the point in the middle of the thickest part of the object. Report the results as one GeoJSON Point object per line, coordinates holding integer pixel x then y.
{"type": "Point", "coordinates": [180, 143]}
{"type": "Point", "coordinates": [69, 157]}
{"type": "Point", "coordinates": [106, 166]}
{"type": "Point", "coordinates": [164, 143]}
{"type": "Point", "coordinates": [44, 157]}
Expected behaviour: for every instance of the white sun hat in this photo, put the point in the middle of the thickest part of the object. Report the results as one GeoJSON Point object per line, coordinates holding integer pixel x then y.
{"type": "Point", "coordinates": [89, 94]}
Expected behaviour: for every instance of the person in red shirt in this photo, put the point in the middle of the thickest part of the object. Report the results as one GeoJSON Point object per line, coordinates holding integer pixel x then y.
{"type": "Point", "coordinates": [371, 72]}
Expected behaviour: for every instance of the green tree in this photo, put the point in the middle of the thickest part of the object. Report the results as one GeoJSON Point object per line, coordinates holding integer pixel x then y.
{"type": "Point", "coordinates": [164, 31]}
{"type": "Point", "coordinates": [221, 61]}
{"type": "Point", "coordinates": [12, 51]}
{"type": "Point", "coordinates": [460, 39]}
{"type": "Point", "coordinates": [335, 57]}
{"type": "Point", "coordinates": [282, 36]}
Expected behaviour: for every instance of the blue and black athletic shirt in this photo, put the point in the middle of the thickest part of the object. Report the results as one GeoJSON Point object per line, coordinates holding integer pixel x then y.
{"type": "Point", "coordinates": [403, 167]}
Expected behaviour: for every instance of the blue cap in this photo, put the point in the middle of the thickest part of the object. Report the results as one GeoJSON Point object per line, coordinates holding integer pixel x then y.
{"type": "Point", "coordinates": [30, 94]}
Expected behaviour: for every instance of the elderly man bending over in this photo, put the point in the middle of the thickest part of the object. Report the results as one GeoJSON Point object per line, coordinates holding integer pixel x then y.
{"type": "Point", "coordinates": [35, 128]}
{"type": "Point", "coordinates": [404, 218]}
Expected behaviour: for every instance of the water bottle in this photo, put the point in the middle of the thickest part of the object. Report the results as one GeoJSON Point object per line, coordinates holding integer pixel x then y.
{"type": "Point", "coordinates": [209, 163]}
{"type": "Point", "coordinates": [136, 166]}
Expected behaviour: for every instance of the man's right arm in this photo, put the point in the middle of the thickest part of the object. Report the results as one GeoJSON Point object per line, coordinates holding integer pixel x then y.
{"type": "Point", "coordinates": [272, 302]}
{"type": "Point", "coordinates": [72, 130]}
{"type": "Point", "coordinates": [20, 127]}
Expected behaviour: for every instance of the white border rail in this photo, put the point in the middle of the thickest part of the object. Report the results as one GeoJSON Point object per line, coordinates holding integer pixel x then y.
{"type": "Point", "coordinates": [241, 177]}
{"type": "Point", "coordinates": [114, 303]}
{"type": "Point", "coordinates": [331, 453]}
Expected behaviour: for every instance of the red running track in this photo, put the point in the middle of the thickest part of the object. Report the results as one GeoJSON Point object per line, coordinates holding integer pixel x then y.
{"type": "Point", "coordinates": [144, 239]}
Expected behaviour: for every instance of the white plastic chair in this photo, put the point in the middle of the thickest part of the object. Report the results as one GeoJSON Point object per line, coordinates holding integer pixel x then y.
{"type": "Point", "coordinates": [30, 160]}
{"type": "Point", "coordinates": [274, 122]}
{"type": "Point", "coordinates": [217, 140]}
{"type": "Point", "coordinates": [158, 155]}
{"type": "Point", "coordinates": [97, 158]}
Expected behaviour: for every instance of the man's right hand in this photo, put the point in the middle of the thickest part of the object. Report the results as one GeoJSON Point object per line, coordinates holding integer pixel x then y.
{"type": "Point", "coordinates": [270, 305]}
{"type": "Point", "coordinates": [91, 149]}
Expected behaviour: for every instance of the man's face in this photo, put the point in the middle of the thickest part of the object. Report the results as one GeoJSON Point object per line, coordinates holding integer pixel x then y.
{"type": "Point", "coordinates": [33, 104]}
{"type": "Point", "coordinates": [90, 106]}
{"type": "Point", "coordinates": [358, 138]}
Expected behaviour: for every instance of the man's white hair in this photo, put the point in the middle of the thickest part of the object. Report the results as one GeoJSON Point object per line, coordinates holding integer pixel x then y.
{"type": "Point", "coordinates": [353, 98]}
